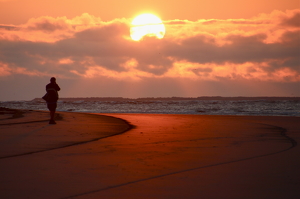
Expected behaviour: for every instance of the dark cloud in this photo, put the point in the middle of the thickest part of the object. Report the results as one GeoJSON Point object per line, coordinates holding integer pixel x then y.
{"type": "Point", "coordinates": [293, 21]}
{"type": "Point", "coordinates": [48, 25]}
{"type": "Point", "coordinates": [8, 27]}
{"type": "Point", "coordinates": [104, 33]}
{"type": "Point", "coordinates": [241, 49]}
{"type": "Point", "coordinates": [247, 22]}
{"type": "Point", "coordinates": [107, 49]}
{"type": "Point", "coordinates": [176, 22]}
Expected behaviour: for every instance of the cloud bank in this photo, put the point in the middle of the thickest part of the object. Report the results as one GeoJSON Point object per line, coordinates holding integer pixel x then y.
{"type": "Point", "coordinates": [263, 48]}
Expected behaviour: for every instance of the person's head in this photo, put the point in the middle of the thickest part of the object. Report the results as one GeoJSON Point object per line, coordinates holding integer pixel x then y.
{"type": "Point", "coordinates": [52, 80]}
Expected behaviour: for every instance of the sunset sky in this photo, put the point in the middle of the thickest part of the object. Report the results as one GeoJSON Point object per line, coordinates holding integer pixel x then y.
{"type": "Point", "coordinates": [211, 48]}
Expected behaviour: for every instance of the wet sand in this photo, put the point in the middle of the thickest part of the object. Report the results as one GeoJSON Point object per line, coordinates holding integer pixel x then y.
{"type": "Point", "coordinates": [162, 156]}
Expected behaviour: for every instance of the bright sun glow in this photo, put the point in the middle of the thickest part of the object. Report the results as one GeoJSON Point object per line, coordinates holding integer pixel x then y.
{"type": "Point", "coordinates": [147, 25]}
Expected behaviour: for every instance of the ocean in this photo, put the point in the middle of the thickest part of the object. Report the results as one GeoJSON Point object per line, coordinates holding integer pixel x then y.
{"type": "Point", "coordinates": [261, 106]}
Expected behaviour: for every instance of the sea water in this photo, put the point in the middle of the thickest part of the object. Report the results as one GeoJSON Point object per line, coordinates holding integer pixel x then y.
{"type": "Point", "coordinates": [201, 106]}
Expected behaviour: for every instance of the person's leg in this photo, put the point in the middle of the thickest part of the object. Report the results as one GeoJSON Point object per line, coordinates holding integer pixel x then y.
{"type": "Point", "coordinates": [52, 108]}
{"type": "Point", "coordinates": [52, 114]}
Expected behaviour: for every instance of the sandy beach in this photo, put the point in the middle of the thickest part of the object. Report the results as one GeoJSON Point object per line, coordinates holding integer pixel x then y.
{"type": "Point", "coordinates": [157, 156]}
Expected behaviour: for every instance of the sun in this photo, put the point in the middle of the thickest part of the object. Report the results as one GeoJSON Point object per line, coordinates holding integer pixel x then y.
{"type": "Point", "coordinates": [147, 25]}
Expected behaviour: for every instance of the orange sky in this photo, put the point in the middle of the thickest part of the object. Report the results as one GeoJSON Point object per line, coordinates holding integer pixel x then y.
{"type": "Point", "coordinates": [19, 11]}
{"type": "Point", "coordinates": [237, 48]}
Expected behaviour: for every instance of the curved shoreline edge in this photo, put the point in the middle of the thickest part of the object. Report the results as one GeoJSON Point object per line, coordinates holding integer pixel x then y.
{"type": "Point", "coordinates": [61, 118]}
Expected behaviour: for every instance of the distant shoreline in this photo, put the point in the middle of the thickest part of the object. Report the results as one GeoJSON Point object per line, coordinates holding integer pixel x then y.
{"type": "Point", "coordinates": [172, 98]}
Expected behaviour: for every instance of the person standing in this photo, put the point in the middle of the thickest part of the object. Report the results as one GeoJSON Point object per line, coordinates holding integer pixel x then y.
{"type": "Point", "coordinates": [52, 96]}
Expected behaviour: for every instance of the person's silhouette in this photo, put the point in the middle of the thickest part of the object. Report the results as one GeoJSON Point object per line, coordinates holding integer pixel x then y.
{"type": "Point", "coordinates": [52, 88]}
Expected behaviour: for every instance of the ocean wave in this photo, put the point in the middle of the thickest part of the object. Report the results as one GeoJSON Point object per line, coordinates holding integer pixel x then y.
{"type": "Point", "coordinates": [283, 107]}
